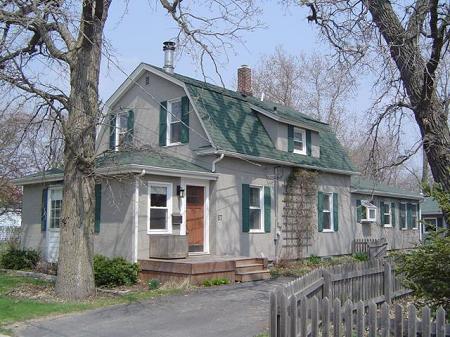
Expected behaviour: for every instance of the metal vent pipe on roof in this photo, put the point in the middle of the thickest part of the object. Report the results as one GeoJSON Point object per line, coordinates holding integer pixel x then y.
{"type": "Point", "coordinates": [169, 50]}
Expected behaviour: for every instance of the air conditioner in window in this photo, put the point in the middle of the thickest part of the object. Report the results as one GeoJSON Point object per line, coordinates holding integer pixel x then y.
{"type": "Point", "coordinates": [368, 211]}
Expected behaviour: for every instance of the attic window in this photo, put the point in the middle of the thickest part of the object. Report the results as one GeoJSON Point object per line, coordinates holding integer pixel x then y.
{"type": "Point", "coordinates": [174, 123]}
{"type": "Point", "coordinates": [299, 141]}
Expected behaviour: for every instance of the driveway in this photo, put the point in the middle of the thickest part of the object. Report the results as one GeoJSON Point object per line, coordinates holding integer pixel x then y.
{"type": "Point", "coordinates": [239, 310]}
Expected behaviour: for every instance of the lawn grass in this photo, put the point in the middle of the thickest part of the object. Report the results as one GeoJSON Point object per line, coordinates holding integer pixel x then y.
{"type": "Point", "coordinates": [15, 309]}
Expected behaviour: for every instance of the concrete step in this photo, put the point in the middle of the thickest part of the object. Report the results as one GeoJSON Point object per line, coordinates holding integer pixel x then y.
{"type": "Point", "coordinates": [250, 260]}
{"type": "Point", "coordinates": [249, 267]}
{"type": "Point", "coordinates": [253, 276]}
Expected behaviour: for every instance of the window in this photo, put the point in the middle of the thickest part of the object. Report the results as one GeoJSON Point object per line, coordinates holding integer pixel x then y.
{"type": "Point", "coordinates": [54, 207]}
{"type": "Point", "coordinates": [402, 215]}
{"type": "Point", "coordinates": [121, 129]}
{"type": "Point", "coordinates": [299, 141]}
{"type": "Point", "coordinates": [327, 211]}
{"type": "Point", "coordinates": [160, 208]}
{"type": "Point", "coordinates": [174, 124]}
{"type": "Point", "coordinates": [387, 215]}
{"type": "Point", "coordinates": [414, 216]}
{"type": "Point", "coordinates": [368, 211]}
{"type": "Point", "coordinates": [256, 210]}
{"type": "Point", "coordinates": [430, 225]}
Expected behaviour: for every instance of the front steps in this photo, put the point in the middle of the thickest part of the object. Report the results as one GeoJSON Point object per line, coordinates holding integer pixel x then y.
{"type": "Point", "coordinates": [251, 269]}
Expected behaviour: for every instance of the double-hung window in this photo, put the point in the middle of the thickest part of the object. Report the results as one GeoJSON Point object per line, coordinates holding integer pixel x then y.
{"type": "Point", "coordinates": [299, 141]}
{"type": "Point", "coordinates": [121, 130]}
{"type": "Point", "coordinates": [387, 214]}
{"type": "Point", "coordinates": [402, 215]}
{"type": "Point", "coordinates": [414, 216]}
{"type": "Point", "coordinates": [54, 207]}
{"type": "Point", "coordinates": [174, 124]}
{"type": "Point", "coordinates": [160, 208]}
{"type": "Point", "coordinates": [256, 209]}
{"type": "Point", "coordinates": [327, 212]}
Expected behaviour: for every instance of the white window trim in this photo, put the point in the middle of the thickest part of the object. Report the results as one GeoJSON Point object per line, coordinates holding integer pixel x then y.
{"type": "Point", "coordinates": [425, 226]}
{"type": "Point", "coordinates": [261, 208]}
{"type": "Point", "coordinates": [389, 213]}
{"type": "Point", "coordinates": [303, 132]}
{"type": "Point", "coordinates": [169, 120]}
{"type": "Point", "coordinates": [117, 128]}
{"type": "Point", "coordinates": [169, 187]}
{"type": "Point", "coordinates": [49, 205]}
{"type": "Point", "coordinates": [331, 211]}
{"type": "Point", "coordinates": [368, 206]}
{"type": "Point", "coordinates": [400, 225]}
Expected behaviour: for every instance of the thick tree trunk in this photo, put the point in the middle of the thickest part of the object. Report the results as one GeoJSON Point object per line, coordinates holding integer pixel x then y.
{"type": "Point", "coordinates": [75, 278]}
{"type": "Point", "coordinates": [419, 83]}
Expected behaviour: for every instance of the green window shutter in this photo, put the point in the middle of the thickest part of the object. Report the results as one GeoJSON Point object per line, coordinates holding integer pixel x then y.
{"type": "Point", "coordinates": [320, 211]}
{"type": "Point", "coordinates": [98, 206]}
{"type": "Point", "coordinates": [163, 124]}
{"type": "Point", "coordinates": [185, 120]}
{"type": "Point", "coordinates": [308, 142]}
{"type": "Point", "coordinates": [382, 212]}
{"type": "Point", "coordinates": [44, 210]}
{"type": "Point", "coordinates": [290, 138]}
{"type": "Point", "coordinates": [112, 132]}
{"type": "Point", "coordinates": [358, 211]}
{"type": "Point", "coordinates": [245, 208]}
{"type": "Point", "coordinates": [335, 211]}
{"type": "Point", "coordinates": [393, 214]}
{"type": "Point", "coordinates": [409, 216]}
{"type": "Point", "coordinates": [130, 126]}
{"type": "Point", "coordinates": [267, 209]}
{"type": "Point", "coordinates": [439, 222]}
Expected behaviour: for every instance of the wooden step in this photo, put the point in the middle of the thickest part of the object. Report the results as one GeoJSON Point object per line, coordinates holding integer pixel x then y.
{"type": "Point", "coordinates": [250, 260]}
{"type": "Point", "coordinates": [253, 276]}
{"type": "Point", "coordinates": [250, 267]}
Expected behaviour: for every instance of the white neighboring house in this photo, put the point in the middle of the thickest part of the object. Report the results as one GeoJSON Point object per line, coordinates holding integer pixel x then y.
{"type": "Point", "coordinates": [9, 221]}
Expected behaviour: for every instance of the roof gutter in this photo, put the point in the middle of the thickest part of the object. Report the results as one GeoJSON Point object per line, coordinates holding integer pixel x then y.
{"type": "Point", "coordinates": [275, 161]}
{"type": "Point", "coordinates": [125, 169]}
{"type": "Point", "coordinates": [385, 194]}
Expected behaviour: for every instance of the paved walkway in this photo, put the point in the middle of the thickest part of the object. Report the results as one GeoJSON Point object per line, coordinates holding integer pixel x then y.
{"type": "Point", "coordinates": [228, 311]}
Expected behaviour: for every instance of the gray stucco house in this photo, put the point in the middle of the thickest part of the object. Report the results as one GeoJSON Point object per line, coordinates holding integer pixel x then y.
{"type": "Point", "coordinates": [184, 165]}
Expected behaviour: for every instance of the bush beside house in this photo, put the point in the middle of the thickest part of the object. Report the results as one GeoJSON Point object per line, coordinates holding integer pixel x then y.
{"type": "Point", "coordinates": [111, 272]}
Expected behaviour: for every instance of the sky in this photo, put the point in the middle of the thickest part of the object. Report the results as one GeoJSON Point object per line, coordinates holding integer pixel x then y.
{"type": "Point", "coordinates": [136, 34]}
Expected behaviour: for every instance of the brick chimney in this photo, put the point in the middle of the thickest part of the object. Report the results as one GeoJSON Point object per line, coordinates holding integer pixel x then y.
{"type": "Point", "coordinates": [245, 80]}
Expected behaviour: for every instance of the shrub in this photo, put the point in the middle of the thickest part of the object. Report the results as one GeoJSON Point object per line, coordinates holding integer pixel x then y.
{"type": "Point", "coordinates": [19, 259]}
{"type": "Point", "coordinates": [153, 284]}
{"type": "Point", "coordinates": [425, 270]}
{"type": "Point", "coordinates": [111, 272]}
{"type": "Point", "coordinates": [314, 260]}
{"type": "Point", "coordinates": [216, 282]}
{"type": "Point", "coordinates": [361, 256]}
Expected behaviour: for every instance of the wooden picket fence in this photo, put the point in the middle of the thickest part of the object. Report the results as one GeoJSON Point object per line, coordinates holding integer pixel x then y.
{"type": "Point", "coordinates": [315, 317]}
{"type": "Point", "coordinates": [372, 281]}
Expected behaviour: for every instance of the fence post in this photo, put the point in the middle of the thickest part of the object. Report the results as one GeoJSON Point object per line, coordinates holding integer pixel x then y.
{"type": "Point", "coordinates": [326, 283]}
{"type": "Point", "coordinates": [273, 315]}
{"type": "Point", "coordinates": [284, 315]}
{"type": "Point", "coordinates": [294, 315]}
{"type": "Point", "coordinates": [387, 282]}
{"type": "Point", "coordinates": [440, 322]}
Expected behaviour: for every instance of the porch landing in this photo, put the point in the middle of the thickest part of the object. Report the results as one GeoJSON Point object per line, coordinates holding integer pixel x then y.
{"type": "Point", "coordinates": [196, 269]}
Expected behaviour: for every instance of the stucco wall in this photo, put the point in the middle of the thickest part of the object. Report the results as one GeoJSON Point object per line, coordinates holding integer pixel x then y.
{"type": "Point", "coordinates": [115, 237]}
{"type": "Point", "coordinates": [396, 237]}
{"type": "Point", "coordinates": [145, 100]}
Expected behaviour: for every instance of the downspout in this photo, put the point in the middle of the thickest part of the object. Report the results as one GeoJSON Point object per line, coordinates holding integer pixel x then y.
{"type": "Point", "coordinates": [136, 215]}
{"type": "Point", "coordinates": [277, 234]}
{"type": "Point", "coordinates": [215, 161]}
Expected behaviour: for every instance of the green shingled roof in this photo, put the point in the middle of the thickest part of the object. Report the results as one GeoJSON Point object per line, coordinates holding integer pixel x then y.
{"type": "Point", "coordinates": [430, 206]}
{"type": "Point", "coordinates": [148, 158]}
{"type": "Point", "coordinates": [364, 185]}
{"type": "Point", "coordinates": [235, 127]}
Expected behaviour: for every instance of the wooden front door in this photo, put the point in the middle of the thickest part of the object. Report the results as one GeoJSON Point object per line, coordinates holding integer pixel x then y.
{"type": "Point", "coordinates": [195, 217]}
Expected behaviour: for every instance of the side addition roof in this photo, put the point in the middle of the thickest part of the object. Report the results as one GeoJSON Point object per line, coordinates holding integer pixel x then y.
{"type": "Point", "coordinates": [430, 206]}
{"type": "Point", "coordinates": [362, 185]}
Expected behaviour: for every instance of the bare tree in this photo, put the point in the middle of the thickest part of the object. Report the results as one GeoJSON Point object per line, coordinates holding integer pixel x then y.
{"type": "Point", "coordinates": [309, 84]}
{"type": "Point", "coordinates": [65, 38]}
{"type": "Point", "coordinates": [405, 42]}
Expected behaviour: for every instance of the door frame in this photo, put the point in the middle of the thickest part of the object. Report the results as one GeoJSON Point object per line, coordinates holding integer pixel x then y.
{"type": "Point", "coordinates": [205, 184]}
{"type": "Point", "coordinates": [49, 230]}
